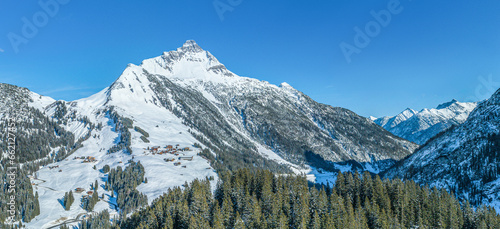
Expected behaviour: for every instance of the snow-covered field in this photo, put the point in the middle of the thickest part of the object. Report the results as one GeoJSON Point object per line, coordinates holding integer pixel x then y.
{"type": "Point", "coordinates": [321, 176]}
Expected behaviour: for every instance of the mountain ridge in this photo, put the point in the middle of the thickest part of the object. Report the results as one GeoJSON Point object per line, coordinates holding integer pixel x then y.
{"type": "Point", "coordinates": [420, 126]}
{"type": "Point", "coordinates": [462, 159]}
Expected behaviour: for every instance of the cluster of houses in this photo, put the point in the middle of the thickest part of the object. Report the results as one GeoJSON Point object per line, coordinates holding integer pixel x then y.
{"type": "Point", "coordinates": [168, 149]}
{"type": "Point", "coordinates": [178, 162]}
{"type": "Point", "coordinates": [55, 167]}
{"type": "Point", "coordinates": [186, 158]}
{"type": "Point", "coordinates": [86, 159]}
{"type": "Point", "coordinates": [81, 190]}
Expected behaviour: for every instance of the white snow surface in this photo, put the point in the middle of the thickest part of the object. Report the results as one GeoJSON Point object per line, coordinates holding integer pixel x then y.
{"type": "Point", "coordinates": [40, 101]}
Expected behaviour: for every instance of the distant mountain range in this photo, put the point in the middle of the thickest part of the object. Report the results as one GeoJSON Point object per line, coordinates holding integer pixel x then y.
{"type": "Point", "coordinates": [464, 159]}
{"type": "Point", "coordinates": [420, 126]}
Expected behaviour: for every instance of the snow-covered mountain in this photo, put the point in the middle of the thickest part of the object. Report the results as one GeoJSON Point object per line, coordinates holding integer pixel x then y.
{"type": "Point", "coordinates": [465, 159]}
{"type": "Point", "coordinates": [188, 98]}
{"type": "Point", "coordinates": [420, 126]}
{"type": "Point", "coordinates": [251, 115]}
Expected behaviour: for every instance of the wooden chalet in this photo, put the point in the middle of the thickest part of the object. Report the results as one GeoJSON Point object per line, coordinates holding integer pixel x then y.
{"type": "Point", "coordinates": [186, 158]}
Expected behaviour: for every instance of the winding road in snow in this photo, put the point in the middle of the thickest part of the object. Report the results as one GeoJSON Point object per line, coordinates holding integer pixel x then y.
{"type": "Point", "coordinates": [77, 219]}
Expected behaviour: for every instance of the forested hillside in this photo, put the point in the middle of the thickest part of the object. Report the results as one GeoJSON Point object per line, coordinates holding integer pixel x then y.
{"type": "Point", "coordinates": [245, 199]}
{"type": "Point", "coordinates": [25, 145]}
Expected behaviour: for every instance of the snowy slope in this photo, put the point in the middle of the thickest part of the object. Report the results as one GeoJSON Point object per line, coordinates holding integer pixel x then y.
{"type": "Point", "coordinates": [420, 126]}
{"type": "Point", "coordinates": [161, 175]}
{"type": "Point", "coordinates": [465, 159]}
{"type": "Point", "coordinates": [188, 97]}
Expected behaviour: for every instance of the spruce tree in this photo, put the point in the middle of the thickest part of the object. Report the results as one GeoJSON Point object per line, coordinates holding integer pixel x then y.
{"type": "Point", "coordinates": [238, 222]}
{"type": "Point", "coordinates": [95, 197]}
{"type": "Point", "coordinates": [256, 215]}
{"type": "Point", "coordinates": [37, 205]}
{"type": "Point", "coordinates": [66, 201]}
{"type": "Point", "coordinates": [315, 221]}
{"type": "Point", "coordinates": [217, 217]}
{"type": "Point", "coordinates": [227, 211]}
{"type": "Point", "coordinates": [283, 221]}
{"type": "Point", "coordinates": [169, 222]}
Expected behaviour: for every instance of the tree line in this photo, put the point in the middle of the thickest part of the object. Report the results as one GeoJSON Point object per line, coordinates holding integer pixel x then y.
{"type": "Point", "coordinates": [68, 200]}
{"type": "Point", "coordinates": [261, 199]}
{"type": "Point", "coordinates": [122, 126]}
{"type": "Point", "coordinates": [124, 183]}
{"type": "Point", "coordinates": [26, 205]}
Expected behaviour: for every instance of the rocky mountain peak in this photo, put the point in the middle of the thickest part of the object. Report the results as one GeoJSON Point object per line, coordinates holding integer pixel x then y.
{"type": "Point", "coordinates": [447, 104]}
{"type": "Point", "coordinates": [187, 62]}
{"type": "Point", "coordinates": [191, 46]}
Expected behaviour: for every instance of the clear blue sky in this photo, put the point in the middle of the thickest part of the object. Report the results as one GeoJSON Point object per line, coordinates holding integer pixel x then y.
{"type": "Point", "coordinates": [430, 52]}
